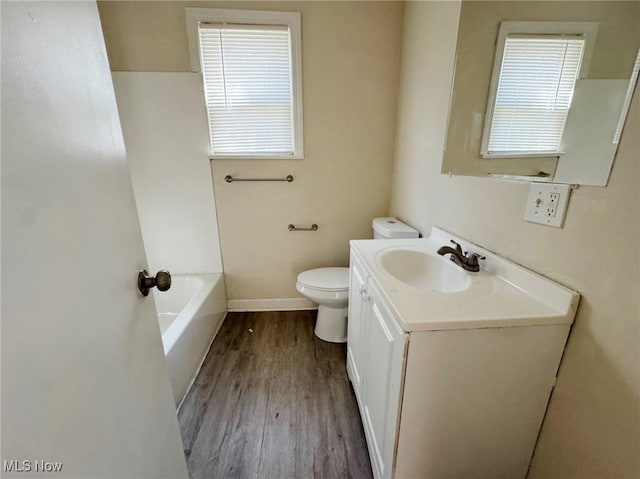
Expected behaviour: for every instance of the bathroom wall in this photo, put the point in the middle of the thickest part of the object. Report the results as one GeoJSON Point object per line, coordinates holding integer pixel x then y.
{"type": "Point", "coordinates": [592, 428]}
{"type": "Point", "coordinates": [350, 61]}
{"type": "Point", "coordinates": [166, 135]}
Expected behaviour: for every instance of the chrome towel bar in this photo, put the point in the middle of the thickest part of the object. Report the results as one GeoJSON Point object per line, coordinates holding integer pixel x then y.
{"type": "Point", "coordinates": [230, 179]}
{"type": "Point", "coordinates": [313, 227]}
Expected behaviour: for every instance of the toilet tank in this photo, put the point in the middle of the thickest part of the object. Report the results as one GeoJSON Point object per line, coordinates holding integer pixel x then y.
{"type": "Point", "coordinates": [391, 228]}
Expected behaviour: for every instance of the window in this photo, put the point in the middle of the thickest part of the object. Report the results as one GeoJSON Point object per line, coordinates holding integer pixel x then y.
{"type": "Point", "coordinates": [537, 65]}
{"type": "Point", "coordinates": [250, 63]}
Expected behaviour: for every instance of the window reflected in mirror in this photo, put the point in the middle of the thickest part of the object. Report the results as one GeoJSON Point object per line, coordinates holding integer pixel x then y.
{"type": "Point", "coordinates": [541, 89]}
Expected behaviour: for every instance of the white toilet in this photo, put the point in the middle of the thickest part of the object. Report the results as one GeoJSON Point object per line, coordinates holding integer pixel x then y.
{"type": "Point", "coordinates": [329, 287]}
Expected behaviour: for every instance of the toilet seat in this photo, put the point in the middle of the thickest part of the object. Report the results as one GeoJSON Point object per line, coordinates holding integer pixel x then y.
{"type": "Point", "coordinates": [325, 279]}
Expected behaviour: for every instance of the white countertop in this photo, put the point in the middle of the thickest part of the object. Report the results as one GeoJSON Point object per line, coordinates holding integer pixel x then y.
{"type": "Point", "coordinates": [502, 293]}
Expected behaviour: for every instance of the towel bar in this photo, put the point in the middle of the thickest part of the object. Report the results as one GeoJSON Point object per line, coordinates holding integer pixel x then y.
{"type": "Point", "coordinates": [313, 227]}
{"type": "Point", "coordinates": [230, 179]}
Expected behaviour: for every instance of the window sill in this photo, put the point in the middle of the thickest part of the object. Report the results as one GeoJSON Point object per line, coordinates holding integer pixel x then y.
{"type": "Point", "coordinates": [527, 178]}
{"type": "Point", "coordinates": [256, 157]}
{"type": "Point", "coordinates": [549, 154]}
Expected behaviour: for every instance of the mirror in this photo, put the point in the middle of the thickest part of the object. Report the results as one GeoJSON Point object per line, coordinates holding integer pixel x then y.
{"type": "Point", "coordinates": [511, 86]}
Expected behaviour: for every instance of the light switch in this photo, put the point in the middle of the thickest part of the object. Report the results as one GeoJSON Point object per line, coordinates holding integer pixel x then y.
{"type": "Point", "coordinates": [547, 203]}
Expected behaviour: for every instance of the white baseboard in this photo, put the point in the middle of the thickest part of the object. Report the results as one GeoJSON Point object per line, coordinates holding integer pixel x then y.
{"type": "Point", "coordinates": [272, 304]}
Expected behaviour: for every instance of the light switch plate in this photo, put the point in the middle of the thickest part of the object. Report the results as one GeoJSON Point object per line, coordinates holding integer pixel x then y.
{"type": "Point", "coordinates": [547, 203]}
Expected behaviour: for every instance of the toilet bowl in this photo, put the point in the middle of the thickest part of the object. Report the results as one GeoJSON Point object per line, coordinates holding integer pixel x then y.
{"type": "Point", "coordinates": [329, 289]}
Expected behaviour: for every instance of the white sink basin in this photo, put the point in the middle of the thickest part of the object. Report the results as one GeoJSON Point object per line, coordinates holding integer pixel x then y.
{"type": "Point", "coordinates": [428, 292]}
{"type": "Point", "coordinates": [424, 271]}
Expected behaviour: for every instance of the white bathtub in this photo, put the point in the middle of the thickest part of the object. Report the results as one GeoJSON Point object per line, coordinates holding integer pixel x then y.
{"type": "Point", "coordinates": [190, 314]}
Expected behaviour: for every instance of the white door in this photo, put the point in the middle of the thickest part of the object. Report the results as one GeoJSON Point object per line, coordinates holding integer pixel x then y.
{"type": "Point", "coordinates": [84, 381]}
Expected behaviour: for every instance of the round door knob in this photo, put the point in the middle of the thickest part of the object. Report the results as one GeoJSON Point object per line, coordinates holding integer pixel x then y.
{"type": "Point", "coordinates": [162, 281]}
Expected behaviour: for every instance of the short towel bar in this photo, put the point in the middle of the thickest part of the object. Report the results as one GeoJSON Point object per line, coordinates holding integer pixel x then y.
{"type": "Point", "coordinates": [230, 179]}
{"type": "Point", "coordinates": [313, 227]}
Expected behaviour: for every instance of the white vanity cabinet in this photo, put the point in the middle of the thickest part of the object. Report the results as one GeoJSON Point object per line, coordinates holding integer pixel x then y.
{"type": "Point", "coordinates": [358, 308]}
{"type": "Point", "coordinates": [452, 385]}
{"type": "Point", "coordinates": [376, 349]}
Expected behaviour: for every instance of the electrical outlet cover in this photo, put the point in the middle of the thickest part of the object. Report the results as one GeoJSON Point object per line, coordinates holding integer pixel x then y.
{"type": "Point", "coordinates": [547, 203]}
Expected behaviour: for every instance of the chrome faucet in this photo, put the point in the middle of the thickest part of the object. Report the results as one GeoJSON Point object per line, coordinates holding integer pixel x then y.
{"type": "Point", "coordinates": [467, 261]}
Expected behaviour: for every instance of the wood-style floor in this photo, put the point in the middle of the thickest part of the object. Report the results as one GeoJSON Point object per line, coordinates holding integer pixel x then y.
{"type": "Point", "coordinates": [272, 401]}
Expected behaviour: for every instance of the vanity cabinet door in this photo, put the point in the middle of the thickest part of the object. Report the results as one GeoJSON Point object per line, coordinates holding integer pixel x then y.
{"type": "Point", "coordinates": [382, 383]}
{"type": "Point", "coordinates": [358, 310]}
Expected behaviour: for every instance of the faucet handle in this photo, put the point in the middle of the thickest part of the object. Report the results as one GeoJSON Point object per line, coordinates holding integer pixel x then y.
{"type": "Point", "coordinates": [472, 259]}
{"type": "Point", "coordinates": [458, 247]}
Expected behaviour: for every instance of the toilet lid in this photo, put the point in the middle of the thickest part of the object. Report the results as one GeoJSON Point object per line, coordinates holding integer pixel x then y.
{"type": "Point", "coordinates": [326, 279]}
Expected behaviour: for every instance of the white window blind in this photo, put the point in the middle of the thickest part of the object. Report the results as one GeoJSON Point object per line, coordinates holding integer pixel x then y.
{"type": "Point", "coordinates": [248, 89]}
{"type": "Point", "coordinates": [534, 93]}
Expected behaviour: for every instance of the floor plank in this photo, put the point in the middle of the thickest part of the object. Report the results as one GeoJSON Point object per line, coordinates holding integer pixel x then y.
{"type": "Point", "coordinates": [273, 401]}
